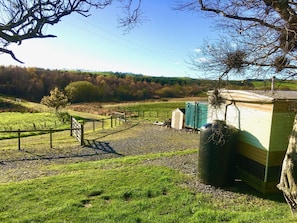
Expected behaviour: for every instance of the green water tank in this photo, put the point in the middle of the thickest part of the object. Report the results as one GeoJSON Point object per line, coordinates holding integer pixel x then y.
{"type": "Point", "coordinates": [217, 153]}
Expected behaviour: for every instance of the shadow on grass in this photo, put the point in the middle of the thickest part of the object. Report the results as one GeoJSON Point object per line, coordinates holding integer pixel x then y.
{"type": "Point", "coordinates": [241, 187]}
{"type": "Point", "coordinates": [48, 157]}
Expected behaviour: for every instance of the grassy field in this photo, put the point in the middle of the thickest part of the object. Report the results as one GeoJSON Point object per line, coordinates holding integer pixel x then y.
{"type": "Point", "coordinates": [279, 85]}
{"type": "Point", "coordinates": [11, 121]}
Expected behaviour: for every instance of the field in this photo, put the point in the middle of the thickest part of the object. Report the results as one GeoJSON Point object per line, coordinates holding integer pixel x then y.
{"type": "Point", "coordinates": [136, 172]}
{"type": "Point", "coordinates": [279, 85]}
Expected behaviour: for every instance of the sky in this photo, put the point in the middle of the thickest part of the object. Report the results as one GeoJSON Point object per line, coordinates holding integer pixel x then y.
{"type": "Point", "coordinates": [160, 46]}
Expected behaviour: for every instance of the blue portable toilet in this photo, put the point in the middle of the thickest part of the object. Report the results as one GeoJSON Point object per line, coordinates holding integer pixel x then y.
{"type": "Point", "coordinates": [195, 114]}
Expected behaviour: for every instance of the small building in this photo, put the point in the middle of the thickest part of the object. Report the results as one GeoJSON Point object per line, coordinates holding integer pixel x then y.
{"type": "Point", "coordinates": [265, 120]}
{"type": "Point", "coordinates": [177, 120]}
{"type": "Point", "coordinates": [196, 114]}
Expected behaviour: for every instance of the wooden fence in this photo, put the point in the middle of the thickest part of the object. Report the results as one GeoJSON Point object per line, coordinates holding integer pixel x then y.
{"type": "Point", "coordinates": [150, 114]}
{"type": "Point", "coordinates": [116, 119]}
{"type": "Point", "coordinates": [76, 129]}
{"type": "Point", "coordinates": [48, 131]}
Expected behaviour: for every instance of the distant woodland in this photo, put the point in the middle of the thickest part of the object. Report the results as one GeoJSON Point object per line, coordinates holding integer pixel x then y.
{"type": "Point", "coordinates": [34, 83]}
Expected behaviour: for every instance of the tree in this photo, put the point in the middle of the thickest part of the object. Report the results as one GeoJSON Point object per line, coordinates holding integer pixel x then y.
{"type": "Point", "coordinates": [56, 99]}
{"type": "Point", "coordinates": [81, 91]}
{"type": "Point", "coordinates": [27, 19]}
{"type": "Point", "coordinates": [267, 31]}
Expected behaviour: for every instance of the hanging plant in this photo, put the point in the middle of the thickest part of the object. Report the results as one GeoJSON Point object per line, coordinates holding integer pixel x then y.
{"type": "Point", "coordinates": [215, 99]}
{"type": "Point", "coordinates": [235, 60]}
{"type": "Point", "coordinates": [280, 63]}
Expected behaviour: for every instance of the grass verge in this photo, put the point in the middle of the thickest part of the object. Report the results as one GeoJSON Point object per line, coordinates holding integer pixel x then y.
{"type": "Point", "coordinates": [127, 190]}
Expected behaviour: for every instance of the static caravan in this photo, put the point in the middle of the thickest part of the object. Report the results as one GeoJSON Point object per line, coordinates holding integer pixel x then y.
{"type": "Point", "coordinates": [265, 120]}
{"type": "Point", "coordinates": [177, 120]}
{"type": "Point", "coordinates": [196, 114]}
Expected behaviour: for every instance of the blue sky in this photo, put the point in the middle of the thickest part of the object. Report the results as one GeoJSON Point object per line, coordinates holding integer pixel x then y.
{"type": "Point", "coordinates": [158, 47]}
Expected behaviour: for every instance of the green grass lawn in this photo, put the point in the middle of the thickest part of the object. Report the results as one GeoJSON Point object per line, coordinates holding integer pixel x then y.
{"type": "Point", "coordinates": [126, 190]}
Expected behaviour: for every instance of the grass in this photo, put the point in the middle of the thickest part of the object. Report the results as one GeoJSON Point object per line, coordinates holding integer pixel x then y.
{"type": "Point", "coordinates": [155, 106]}
{"type": "Point", "coordinates": [126, 190]}
{"type": "Point", "coordinates": [279, 85]}
{"type": "Point", "coordinates": [28, 121]}
{"type": "Point", "coordinates": [152, 111]}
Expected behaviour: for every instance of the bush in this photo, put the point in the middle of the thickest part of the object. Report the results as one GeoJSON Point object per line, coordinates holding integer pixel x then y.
{"type": "Point", "coordinates": [81, 91]}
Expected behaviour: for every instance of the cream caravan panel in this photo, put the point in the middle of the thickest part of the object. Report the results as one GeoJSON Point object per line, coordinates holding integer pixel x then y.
{"type": "Point", "coordinates": [255, 125]}
{"type": "Point", "coordinates": [254, 121]}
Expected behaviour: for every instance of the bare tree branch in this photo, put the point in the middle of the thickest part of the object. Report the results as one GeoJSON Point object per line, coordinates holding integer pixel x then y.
{"type": "Point", "coordinates": [27, 19]}
{"type": "Point", "coordinates": [11, 54]}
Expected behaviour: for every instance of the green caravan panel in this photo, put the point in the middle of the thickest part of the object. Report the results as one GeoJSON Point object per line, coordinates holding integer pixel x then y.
{"type": "Point", "coordinates": [196, 115]}
{"type": "Point", "coordinates": [190, 114]}
{"type": "Point", "coordinates": [202, 114]}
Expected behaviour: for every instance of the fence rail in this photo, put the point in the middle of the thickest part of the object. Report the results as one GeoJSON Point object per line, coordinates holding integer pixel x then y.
{"type": "Point", "coordinates": [50, 131]}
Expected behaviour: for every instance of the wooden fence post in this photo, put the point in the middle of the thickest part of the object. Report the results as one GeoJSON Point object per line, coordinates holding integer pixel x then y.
{"type": "Point", "coordinates": [82, 141]}
{"type": "Point", "coordinates": [71, 125]}
{"type": "Point", "coordinates": [111, 122]}
{"type": "Point", "coordinates": [19, 139]}
{"type": "Point", "coordinates": [51, 138]}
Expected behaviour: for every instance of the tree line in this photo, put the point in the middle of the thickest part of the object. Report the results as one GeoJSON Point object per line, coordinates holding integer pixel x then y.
{"type": "Point", "coordinates": [35, 83]}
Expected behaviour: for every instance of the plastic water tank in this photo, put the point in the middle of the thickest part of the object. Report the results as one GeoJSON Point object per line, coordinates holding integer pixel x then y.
{"type": "Point", "coordinates": [217, 153]}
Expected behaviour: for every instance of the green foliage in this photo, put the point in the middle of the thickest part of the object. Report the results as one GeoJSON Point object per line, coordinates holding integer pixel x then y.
{"type": "Point", "coordinates": [125, 190]}
{"type": "Point", "coordinates": [55, 100]}
{"type": "Point", "coordinates": [81, 91]}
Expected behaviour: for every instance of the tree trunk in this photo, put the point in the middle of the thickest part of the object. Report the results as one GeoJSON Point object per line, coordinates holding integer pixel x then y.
{"type": "Point", "coordinates": [288, 177]}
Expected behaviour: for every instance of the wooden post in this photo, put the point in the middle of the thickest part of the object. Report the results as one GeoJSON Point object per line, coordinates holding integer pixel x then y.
{"type": "Point", "coordinates": [102, 123]}
{"type": "Point", "coordinates": [51, 138]}
{"type": "Point", "coordinates": [19, 139]}
{"type": "Point", "coordinates": [93, 125]}
{"type": "Point", "coordinates": [82, 141]}
{"type": "Point", "coordinates": [111, 122]}
{"type": "Point", "coordinates": [71, 125]}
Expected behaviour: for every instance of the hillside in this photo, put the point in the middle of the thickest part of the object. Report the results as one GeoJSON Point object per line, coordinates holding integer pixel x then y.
{"type": "Point", "coordinates": [34, 83]}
